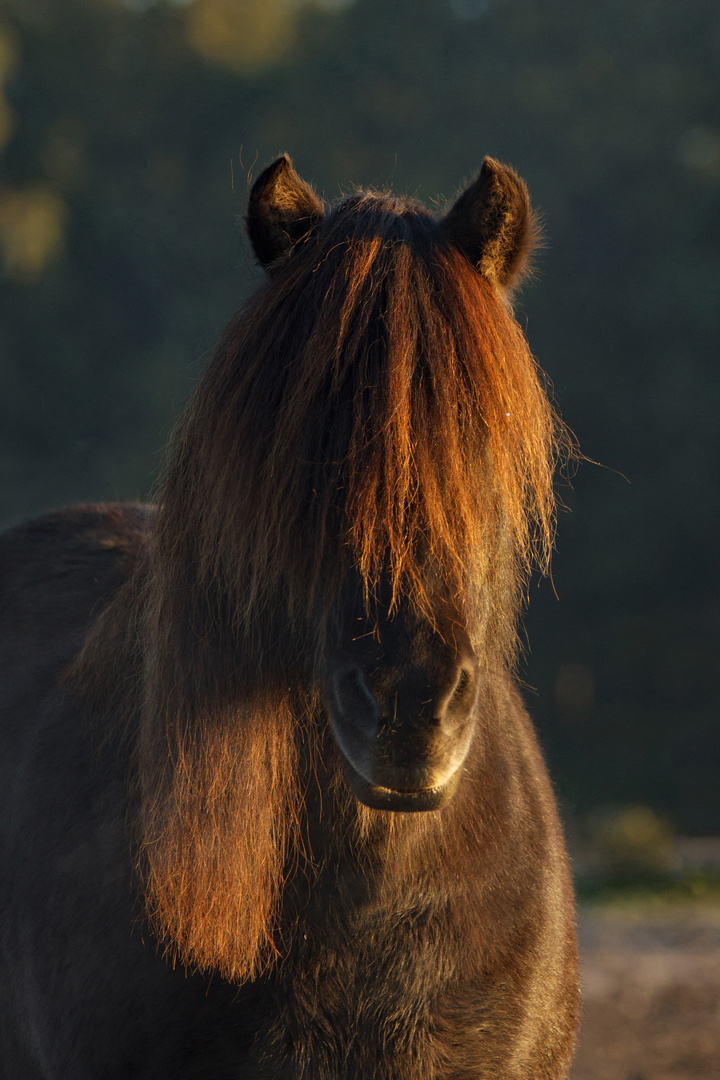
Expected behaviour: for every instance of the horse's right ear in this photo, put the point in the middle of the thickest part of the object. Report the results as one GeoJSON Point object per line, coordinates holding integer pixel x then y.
{"type": "Point", "coordinates": [493, 225]}
{"type": "Point", "coordinates": [282, 209]}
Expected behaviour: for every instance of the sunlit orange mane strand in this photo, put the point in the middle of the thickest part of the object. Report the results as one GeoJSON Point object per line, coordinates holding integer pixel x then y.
{"type": "Point", "coordinates": [373, 408]}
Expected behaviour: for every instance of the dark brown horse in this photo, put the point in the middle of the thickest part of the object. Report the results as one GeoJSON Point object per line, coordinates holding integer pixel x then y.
{"type": "Point", "coordinates": [273, 807]}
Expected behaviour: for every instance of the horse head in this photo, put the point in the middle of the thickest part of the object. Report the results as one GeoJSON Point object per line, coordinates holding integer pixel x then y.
{"type": "Point", "coordinates": [400, 678]}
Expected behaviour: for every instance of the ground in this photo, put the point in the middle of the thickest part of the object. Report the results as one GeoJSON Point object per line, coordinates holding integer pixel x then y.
{"type": "Point", "coordinates": [651, 993]}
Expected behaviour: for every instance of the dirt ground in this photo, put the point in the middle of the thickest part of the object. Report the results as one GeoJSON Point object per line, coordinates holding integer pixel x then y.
{"type": "Point", "coordinates": [651, 991]}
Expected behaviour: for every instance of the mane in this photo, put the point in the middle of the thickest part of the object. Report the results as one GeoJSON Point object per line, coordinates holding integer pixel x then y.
{"type": "Point", "coordinates": [374, 408]}
{"type": "Point", "coordinates": [375, 405]}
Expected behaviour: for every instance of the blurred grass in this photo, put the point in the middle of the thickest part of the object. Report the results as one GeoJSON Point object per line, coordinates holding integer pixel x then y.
{"type": "Point", "coordinates": [633, 855]}
{"type": "Point", "coordinates": [655, 892]}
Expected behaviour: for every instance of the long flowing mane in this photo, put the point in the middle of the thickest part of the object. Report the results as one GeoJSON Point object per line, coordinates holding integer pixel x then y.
{"type": "Point", "coordinates": [374, 408]}
{"type": "Point", "coordinates": [374, 405]}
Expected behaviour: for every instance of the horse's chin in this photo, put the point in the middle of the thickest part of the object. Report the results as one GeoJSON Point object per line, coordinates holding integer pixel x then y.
{"type": "Point", "coordinates": [378, 797]}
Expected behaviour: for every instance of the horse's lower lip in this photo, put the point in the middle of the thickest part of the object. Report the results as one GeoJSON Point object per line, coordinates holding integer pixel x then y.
{"type": "Point", "coordinates": [399, 800]}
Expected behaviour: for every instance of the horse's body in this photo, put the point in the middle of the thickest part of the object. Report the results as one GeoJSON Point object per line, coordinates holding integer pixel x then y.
{"type": "Point", "coordinates": [272, 804]}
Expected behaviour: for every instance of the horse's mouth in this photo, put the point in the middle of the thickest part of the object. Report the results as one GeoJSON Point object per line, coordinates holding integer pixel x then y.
{"type": "Point", "coordinates": [400, 800]}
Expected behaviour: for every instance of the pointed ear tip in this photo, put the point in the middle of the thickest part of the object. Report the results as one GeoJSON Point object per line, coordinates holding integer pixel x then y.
{"type": "Point", "coordinates": [280, 165]}
{"type": "Point", "coordinates": [493, 167]}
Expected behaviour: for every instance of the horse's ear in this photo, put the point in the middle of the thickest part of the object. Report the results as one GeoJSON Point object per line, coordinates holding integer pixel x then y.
{"type": "Point", "coordinates": [282, 209]}
{"type": "Point", "coordinates": [493, 225]}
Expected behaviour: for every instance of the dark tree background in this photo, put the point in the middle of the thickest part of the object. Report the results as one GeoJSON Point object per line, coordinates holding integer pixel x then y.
{"type": "Point", "coordinates": [129, 132]}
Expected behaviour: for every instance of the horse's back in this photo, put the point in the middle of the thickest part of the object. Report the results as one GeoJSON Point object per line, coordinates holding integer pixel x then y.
{"type": "Point", "coordinates": [55, 573]}
{"type": "Point", "coordinates": [56, 569]}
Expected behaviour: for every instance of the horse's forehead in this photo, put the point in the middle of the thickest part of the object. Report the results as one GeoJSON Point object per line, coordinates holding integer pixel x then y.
{"type": "Point", "coordinates": [379, 217]}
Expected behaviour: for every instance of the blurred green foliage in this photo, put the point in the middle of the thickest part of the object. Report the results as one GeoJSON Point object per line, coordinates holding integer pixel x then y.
{"type": "Point", "coordinates": [129, 131]}
{"type": "Point", "coordinates": [631, 853]}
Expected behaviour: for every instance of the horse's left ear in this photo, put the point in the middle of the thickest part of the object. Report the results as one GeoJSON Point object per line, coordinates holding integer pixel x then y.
{"type": "Point", "coordinates": [282, 209]}
{"type": "Point", "coordinates": [493, 225]}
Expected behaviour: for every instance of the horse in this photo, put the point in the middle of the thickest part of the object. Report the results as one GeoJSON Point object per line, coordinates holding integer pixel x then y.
{"type": "Point", "coordinates": [272, 804]}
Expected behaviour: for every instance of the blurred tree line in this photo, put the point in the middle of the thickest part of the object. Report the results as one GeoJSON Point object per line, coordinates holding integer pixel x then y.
{"type": "Point", "coordinates": [129, 130]}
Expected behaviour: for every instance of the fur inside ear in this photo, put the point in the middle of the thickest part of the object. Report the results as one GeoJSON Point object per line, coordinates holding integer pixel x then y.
{"type": "Point", "coordinates": [493, 225]}
{"type": "Point", "coordinates": [282, 209]}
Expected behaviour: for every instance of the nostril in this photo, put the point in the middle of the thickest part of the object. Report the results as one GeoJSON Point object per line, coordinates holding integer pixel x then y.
{"type": "Point", "coordinates": [352, 691]}
{"type": "Point", "coordinates": [458, 700]}
{"type": "Point", "coordinates": [352, 683]}
{"type": "Point", "coordinates": [461, 684]}
{"type": "Point", "coordinates": [353, 708]}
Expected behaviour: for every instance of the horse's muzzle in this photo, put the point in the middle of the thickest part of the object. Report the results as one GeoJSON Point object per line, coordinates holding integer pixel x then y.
{"type": "Point", "coordinates": [403, 744]}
